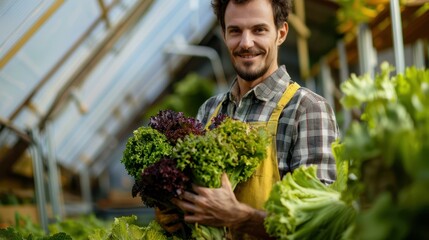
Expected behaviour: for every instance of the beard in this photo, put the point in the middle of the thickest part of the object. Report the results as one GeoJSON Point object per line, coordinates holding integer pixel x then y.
{"type": "Point", "coordinates": [245, 72]}
{"type": "Point", "coordinates": [249, 75]}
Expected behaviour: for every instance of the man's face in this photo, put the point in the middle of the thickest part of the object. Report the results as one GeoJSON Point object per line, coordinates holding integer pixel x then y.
{"type": "Point", "coordinates": [253, 39]}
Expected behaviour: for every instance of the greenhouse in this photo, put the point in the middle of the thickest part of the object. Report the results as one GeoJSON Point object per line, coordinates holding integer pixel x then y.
{"type": "Point", "coordinates": [91, 91]}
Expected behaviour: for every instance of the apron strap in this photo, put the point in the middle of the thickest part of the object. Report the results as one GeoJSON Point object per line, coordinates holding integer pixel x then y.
{"type": "Point", "coordinates": [287, 96]}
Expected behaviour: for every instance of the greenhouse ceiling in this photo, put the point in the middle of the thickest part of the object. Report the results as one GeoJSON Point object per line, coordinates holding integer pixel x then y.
{"type": "Point", "coordinates": [74, 74]}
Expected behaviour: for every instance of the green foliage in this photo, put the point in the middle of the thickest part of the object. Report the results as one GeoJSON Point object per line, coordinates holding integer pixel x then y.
{"type": "Point", "coordinates": [233, 147]}
{"type": "Point", "coordinates": [302, 207]}
{"type": "Point", "coordinates": [144, 148]}
{"type": "Point", "coordinates": [386, 151]}
{"type": "Point", "coordinates": [201, 232]}
{"type": "Point", "coordinates": [127, 228]}
{"type": "Point", "coordinates": [11, 234]}
{"type": "Point", "coordinates": [87, 228]}
{"type": "Point", "coordinates": [197, 156]}
{"type": "Point", "coordinates": [78, 228]}
{"type": "Point", "coordinates": [187, 96]}
{"type": "Point", "coordinates": [25, 227]}
{"type": "Point", "coordinates": [382, 168]}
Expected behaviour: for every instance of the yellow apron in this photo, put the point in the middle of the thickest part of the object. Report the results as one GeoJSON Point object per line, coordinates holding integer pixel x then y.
{"type": "Point", "coordinates": [255, 191]}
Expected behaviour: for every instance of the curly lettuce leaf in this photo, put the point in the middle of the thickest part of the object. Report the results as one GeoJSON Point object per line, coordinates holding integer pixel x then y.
{"type": "Point", "coordinates": [160, 182]}
{"type": "Point", "coordinates": [175, 125]}
{"type": "Point", "coordinates": [143, 149]}
{"type": "Point", "coordinates": [232, 147]}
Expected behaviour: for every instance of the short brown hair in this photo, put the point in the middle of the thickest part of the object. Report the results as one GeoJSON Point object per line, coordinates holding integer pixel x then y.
{"type": "Point", "coordinates": [281, 9]}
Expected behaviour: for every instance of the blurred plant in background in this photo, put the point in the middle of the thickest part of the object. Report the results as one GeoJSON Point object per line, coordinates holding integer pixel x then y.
{"type": "Point", "coordinates": [387, 153]}
{"type": "Point", "coordinates": [187, 96]}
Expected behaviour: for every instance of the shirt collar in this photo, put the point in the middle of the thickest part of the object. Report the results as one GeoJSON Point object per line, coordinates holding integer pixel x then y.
{"type": "Point", "coordinates": [267, 89]}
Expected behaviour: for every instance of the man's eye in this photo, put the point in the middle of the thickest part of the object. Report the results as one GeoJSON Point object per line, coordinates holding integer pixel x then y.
{"type": "Point", "coordinates": [259, 30]}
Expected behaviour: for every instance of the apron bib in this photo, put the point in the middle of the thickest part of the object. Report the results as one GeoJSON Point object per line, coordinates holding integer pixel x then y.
{"type": "Point", "coordinates": [256, 190]}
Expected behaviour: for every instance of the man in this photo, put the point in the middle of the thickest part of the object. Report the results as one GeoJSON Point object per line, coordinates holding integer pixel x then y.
{"type": "Point", "coordinates": [301, 122]}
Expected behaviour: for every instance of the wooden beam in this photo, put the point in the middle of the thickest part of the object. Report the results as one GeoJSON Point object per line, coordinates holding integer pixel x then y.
{"type": "Point", "coordinates": [5, 123]}
{"type": "Point", "coordinates": [31, 31]}
{"type": "Point", "coordinates": [304, 65]}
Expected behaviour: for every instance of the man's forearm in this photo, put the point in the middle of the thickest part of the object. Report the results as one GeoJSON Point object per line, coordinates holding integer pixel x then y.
{"type": "Point", "coordinates": [252, 222]}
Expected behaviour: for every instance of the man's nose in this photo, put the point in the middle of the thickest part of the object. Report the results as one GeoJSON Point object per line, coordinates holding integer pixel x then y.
{"type": "Point", "coordinates": [246, 40]}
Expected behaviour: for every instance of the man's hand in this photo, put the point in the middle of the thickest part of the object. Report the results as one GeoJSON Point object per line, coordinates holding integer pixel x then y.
{"type": "Point", "coordinates": [219, 207]}
{"type": "Point", "coordinates": [169, 219]}
{"type": "Point", "coordinates": [213, 206]}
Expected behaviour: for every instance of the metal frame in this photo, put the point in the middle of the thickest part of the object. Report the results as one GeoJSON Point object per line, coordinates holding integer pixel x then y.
{"type": "Point", "coordinates": [344, 75]}
{"type": "Point", "coordinates": [419, 54]}
{"type": "Point", "coordinates": [398, 41]}
{"type": "Point", "coordinates": [327, 82]}
{"type": "Point", "coordinates": [366, 50]}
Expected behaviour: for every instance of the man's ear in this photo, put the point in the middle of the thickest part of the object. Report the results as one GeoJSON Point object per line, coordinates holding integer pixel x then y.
{"type": "Point", "coordinates": [282, 33]}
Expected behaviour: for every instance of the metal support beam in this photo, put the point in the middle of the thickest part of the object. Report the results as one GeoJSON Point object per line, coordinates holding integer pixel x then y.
{"type": "Point", "coordinates": [419, 54]}
{"type": "Point", "coordinates": [85, 183]}
{"type": "Point", "coordinates": [39, 185]}
{"type": "Point", "coordinates": [344, 75]}
{"type": "Point", "coordinates": [367, 58]}
{"type": "Point", "coordinates": [327, 82]}
{"type": "Point", "coordinates": [202, 51]}
{"type": "Point", "coordinates": [398, 42]}
{"type": "Point", "coordinates": [310, 83]}
{"type": "Point", "coordinates": [53, 176]}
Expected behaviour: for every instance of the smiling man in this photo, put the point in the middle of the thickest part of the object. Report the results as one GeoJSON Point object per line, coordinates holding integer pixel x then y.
{"type": "Point", "coordinates": [301, 123]}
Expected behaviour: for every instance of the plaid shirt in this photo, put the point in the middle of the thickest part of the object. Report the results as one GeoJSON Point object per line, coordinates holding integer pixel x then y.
{"type": "Point", "coordinates": [306, 129]}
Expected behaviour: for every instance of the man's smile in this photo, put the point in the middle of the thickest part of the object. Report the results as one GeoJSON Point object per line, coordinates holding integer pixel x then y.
{"type": "Point", "coordinates": [248, 54]}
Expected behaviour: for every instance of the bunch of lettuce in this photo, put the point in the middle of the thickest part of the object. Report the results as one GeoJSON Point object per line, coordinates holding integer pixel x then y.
{"type": "Point", "coordinates": [150, 143]}
{"type": "Point", "coordinates": [300, 206]}
{"type": "Point", "coordinates": [147, 157]}
{"type": "Point", "coordinates": [174, 151]}
{"type": "Point", "coordinates": [232, 146]}
{"type": "Point", "coordinates": [387, 150]}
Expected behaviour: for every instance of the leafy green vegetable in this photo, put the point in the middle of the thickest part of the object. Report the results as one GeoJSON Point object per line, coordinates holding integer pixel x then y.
{"type": "Point", "coordinates": [175, 125]}
{"type": "Point", "coordinates": [387, 152]}
{"type": "Point", "coordinates": [187, 95]}
{"type": "Point", "coordinates": [12, 233]}
{"type": "Point", "coordinates": [175, 151]}
{"type": "Point", "coordinates": [233, 147]}
{"type": "Point", "coordinates": [160, 182]}
{"type": "Point", "coordinates": [201, 232]}
{"type": "Point", "coordinates": [144, 148]}
{"type": "Point", "coordinates": [79, 227]}
{"type": "Point", "coordinates": [127, 228]}
{"type": "Point", "coordinates": [302, 207]}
